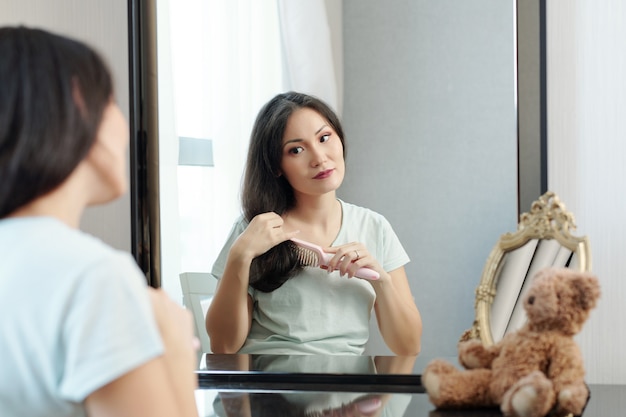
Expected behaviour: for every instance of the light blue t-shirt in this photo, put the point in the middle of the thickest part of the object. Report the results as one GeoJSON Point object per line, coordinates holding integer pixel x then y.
{"type": "Point", "coordinates": [316, 312]}
{"type": "Point", "coordinates": [74, 313]}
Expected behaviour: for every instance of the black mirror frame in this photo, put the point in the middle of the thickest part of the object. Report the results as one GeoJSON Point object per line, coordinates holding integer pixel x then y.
{"type": "Point", "coordinates": [144, 150]}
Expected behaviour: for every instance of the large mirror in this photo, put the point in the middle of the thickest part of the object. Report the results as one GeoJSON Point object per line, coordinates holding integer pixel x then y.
{"type": "Point", "coordinates": [544, 238]}
{"type": "Point", "coordinates": [442, 108]}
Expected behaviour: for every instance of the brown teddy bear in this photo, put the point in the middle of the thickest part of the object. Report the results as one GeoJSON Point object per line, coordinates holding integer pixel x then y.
{"type": "Point", "coordinates": [534, 371]}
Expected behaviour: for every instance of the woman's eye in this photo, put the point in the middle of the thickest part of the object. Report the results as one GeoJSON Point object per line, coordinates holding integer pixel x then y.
{"type": "Point", "coordinates": [296, 150]}
{"type": "Point", "coordinates": [325, 138]}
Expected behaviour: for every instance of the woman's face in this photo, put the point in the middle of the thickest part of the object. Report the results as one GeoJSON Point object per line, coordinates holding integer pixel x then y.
{"type": "Point", "coordinates": [108, 155]}
{"type": "Point", "coordinates": [312, 158]}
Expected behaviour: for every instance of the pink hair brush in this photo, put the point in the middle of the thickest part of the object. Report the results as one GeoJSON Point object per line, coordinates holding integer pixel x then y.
{"type": "Point", "coordinates": [310, 254]}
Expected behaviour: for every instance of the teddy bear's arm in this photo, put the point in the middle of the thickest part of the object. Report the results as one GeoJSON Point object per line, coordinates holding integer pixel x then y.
{"type": "Point", "coordinates": [567, 373]}
{"type": "Point", "coordinates": [566, 364]}
{"type": "Point", "coordinates": [473, 354]}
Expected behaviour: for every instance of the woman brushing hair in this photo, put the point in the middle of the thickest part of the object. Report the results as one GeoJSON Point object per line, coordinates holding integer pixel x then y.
{"type": "Point", "coordinates": [267, 301]}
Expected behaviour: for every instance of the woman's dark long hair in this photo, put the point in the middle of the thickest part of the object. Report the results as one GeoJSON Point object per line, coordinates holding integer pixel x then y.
{"type": "Point", "coordinates": [264, 190]}
{"type": "Point", "coordinates": [53, 92]}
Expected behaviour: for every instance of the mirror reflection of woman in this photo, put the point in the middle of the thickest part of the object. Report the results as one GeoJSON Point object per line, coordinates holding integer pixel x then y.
{"type": "Point", "coordinates": [265, 301]}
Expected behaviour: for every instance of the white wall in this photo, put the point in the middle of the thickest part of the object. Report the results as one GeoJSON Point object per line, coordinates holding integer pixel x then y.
{"type": "Point", "coordinates": [587, 158]}
{"type": "Point", "coordinates": [103, 25]}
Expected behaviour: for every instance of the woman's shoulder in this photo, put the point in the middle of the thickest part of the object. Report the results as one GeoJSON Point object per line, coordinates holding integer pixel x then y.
{"type": "Point", "coordinates": [50, 240]}
{"type": "Point", "coordinates": [45, 251]}
{"type": "Point", "coordinates": [240, 222]}
{"type": "Point", "coordinates": [86, 244]}
{"type": "Point", "coordinates": [239, 225]}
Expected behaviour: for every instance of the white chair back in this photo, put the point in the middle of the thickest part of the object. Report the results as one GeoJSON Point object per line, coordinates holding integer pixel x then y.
{"type": "Point", "coordinates": [198, 289]}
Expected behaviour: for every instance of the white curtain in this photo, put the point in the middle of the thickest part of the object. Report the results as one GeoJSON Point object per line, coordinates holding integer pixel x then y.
{"type": "Point", "coordinates": [311, 39]}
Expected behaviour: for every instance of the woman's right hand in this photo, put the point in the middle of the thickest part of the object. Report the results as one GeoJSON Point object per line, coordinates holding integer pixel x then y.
{"type": "Point", "coordinates": [263, 233]}
{"type": "Point", "coordinates": [229, 317]}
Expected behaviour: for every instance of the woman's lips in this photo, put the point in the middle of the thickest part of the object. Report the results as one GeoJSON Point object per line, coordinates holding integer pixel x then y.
{"type": "Point", "coordinates": [324, 174]}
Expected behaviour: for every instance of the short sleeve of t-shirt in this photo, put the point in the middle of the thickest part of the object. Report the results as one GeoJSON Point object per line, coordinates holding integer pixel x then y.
{"type": "Point", "coordinates": [220, 263]}
{"type": "Point", "coordinates": [110, 327]}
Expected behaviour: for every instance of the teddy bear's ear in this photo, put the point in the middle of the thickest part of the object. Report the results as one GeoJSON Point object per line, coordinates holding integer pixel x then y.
{"type": "Point", "coordinates": [588, 289]}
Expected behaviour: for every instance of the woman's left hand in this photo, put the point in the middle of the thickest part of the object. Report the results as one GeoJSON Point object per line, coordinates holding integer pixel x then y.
{"type": "Point", "coordinates": [349, 258]}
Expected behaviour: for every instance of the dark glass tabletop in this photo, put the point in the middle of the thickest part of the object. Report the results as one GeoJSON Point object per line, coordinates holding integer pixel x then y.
{"type": "Point", "coordinates": [321, 385]}
{"type": "Point", "coordinates": [605, 401]}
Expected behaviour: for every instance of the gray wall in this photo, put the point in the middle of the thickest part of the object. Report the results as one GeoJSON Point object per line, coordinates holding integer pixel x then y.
{"type": "Point", "coordinates": [430, 124]}
{"type": "Point", "coordinates": [104, 25]}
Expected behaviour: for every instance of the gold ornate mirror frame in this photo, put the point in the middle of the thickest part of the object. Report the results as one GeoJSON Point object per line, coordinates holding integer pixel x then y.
{"type": "Point", "coordinates": [547, 219]}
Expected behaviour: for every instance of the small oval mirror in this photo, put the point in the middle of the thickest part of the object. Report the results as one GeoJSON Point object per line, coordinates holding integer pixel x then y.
{"type": "Point", "coordinates": [543, 238]}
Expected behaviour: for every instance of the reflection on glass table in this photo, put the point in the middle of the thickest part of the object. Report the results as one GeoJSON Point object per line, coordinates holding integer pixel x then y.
{"type": "Point", "coordinates": [605, 401]}
{"type": "Point", "coordinates": [302, 403]}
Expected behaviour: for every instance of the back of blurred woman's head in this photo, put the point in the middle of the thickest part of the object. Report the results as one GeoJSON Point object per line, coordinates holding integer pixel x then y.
{"type": "Point", "coordinates": [53, 92]}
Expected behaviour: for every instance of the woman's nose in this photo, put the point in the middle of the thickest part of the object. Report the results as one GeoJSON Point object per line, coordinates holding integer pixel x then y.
{"type": "Point", "coordinates": [318, 156]}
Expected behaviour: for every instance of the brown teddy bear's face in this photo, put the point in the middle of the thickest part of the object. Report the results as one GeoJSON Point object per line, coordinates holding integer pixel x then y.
{"type": "Point", "coordinates": [560, 299]}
